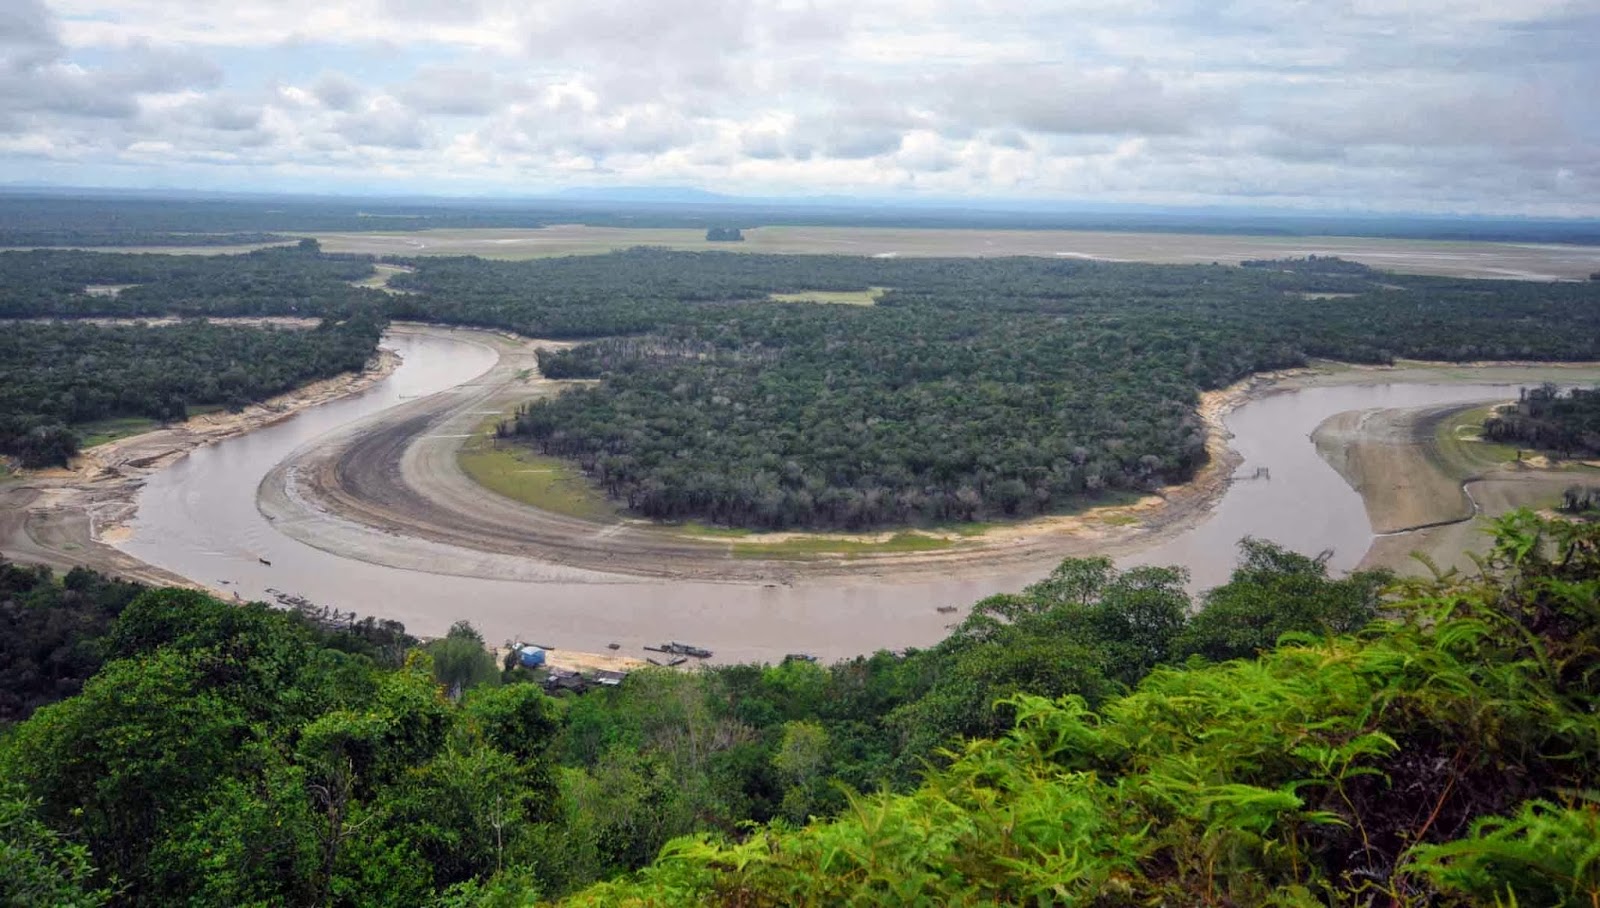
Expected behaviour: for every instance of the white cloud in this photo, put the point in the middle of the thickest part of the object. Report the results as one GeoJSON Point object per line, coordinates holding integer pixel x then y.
{"type": "Point", "coordinates": [1476, 105]}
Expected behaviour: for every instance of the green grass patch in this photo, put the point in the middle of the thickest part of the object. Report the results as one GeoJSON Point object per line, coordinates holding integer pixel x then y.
{"type": "Point", "coordinates": [812, 546]}
{"type": "Point", "coordinates": [101, 431]}
{"type": "Point", "coordinates": [867, 297]}
{"type": "Point", "coordinates": [1458, 439]}
{"type": "Point", "coordinates": [547, 483]}
{"type": "Point", "coordinates": [1119, 520]}
{"type": "Point", "coordinates": [967, 530]}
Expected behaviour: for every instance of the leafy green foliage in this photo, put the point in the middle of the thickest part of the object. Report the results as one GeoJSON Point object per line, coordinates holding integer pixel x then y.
{"type": "Point", "coordinates": [1356, 769]}
{"type": "Point", "coordinates": [460, 662]}
{"type": "Point", "coordinates": [51, 633]}
{"type": "Point", "coordinates": [40, 868]}
{"type": "Point", "coordinates": [1064, 745]}
{"type": "Point", "coordinates": [226, 756]}
{"type": "Point", "coordinates": [1274, 592]}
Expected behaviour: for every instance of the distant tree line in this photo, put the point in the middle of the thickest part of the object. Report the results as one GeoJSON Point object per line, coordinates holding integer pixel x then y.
{"type": "Point", "coordinates": [44, 238]}
{"type": "Point", "coordinates": [54, 376]}
{"type": "Point", "coordinates": [1565, 423]}
{"type": "Point", "coordinates": [292, 281]}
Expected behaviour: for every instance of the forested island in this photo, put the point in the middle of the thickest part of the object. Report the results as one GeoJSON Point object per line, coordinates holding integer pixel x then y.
{"type": "Point", "coordinates": [1295, 740]}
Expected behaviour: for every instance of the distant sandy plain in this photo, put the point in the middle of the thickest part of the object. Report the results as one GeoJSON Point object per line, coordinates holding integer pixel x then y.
{"type": "Point", "coordinates": [1519, 261]}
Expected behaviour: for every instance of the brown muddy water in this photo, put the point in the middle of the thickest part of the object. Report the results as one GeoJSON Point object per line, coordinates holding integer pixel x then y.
{"type": "Point", "coordinates": [198, 518]}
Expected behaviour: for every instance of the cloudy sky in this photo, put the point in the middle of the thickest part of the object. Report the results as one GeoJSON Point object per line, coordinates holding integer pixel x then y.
{"type": "Point", "coordinates": [1486, 106]}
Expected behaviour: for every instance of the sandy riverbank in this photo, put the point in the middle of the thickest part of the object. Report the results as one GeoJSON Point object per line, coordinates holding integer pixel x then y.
{"type": "Point", "coordinates": [1422, 501]}
{"type": "Point", "coordinates": [68, 517]}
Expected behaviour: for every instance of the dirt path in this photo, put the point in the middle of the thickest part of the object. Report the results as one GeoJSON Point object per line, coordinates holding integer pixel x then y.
{"type": "Point", "coordinates": [397, 475]}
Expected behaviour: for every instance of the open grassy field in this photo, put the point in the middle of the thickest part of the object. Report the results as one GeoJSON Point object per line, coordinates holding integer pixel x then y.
{"type": "Point", "coordinates": [1458, 439]}
{"type": "Point", "coordinates": [1528, 261]}
{"type": "Point", "coordinates": [824, 546]}
{"type": "Point", "coordinates": [867, 297]}
{"type": "Point", "coordinates": [543, 482]}
{"type": "Point", "coordinates": [380, 280]}
{"type": "Point", "coordinates": [101, 431]}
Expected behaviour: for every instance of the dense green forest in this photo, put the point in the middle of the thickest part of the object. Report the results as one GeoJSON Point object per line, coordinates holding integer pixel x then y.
{"type": "Point", "coordinates": [57, 375]}
{"type": "Point", "coordinates": [51, 633]}
{"type": "Point", "coordinates": [1083, 742]}
{"type": "Point", "coordinates": [289, 280]}
{"type": "Point", "coordinates": [1566, 423]}
{"type": "Point", "coordinates": [972, 389]}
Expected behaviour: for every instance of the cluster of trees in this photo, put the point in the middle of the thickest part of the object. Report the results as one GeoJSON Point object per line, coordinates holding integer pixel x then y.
{"type": "Point", "coordinates": [1567, 423]}
{"type": "Point", "coordinates": [51, 633]}
{"type": "Point", "coordinates": [294, 757]}
{"type": "Point", "coordinates": [1311, 264]}
{"type": "Point", "coordinates": [293, 280]}
{"type": "Point", "coordinates": [725, 235]}
{"type": "Point", "coordinates": [56, 375]}
{"type": "Point", "coordinates": [1297, 738]}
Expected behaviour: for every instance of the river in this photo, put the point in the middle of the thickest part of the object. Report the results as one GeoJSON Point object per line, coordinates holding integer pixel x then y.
{"type": "Point", "coordinates": [198, 518]}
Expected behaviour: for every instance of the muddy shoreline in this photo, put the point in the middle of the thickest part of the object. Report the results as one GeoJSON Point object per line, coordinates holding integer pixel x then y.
{"type": "Point", "coordinates": [1425, 510]}
{"type": "Point", "coordinates": [355, 492]}
{"type": "Point", "coordinates": [69, 517]}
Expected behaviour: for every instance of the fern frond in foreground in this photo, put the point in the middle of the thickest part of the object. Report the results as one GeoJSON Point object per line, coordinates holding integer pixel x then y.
{"type": "Point", "coordinates": [1443, 757]}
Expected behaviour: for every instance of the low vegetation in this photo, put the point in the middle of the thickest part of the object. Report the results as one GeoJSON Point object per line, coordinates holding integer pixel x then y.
{"type": "Point", "coordinates": [1299, 741]}
{"type": "Point", "coordinates": [547, 483]}
{"type": "Point", "coordinates": [865, 297]}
